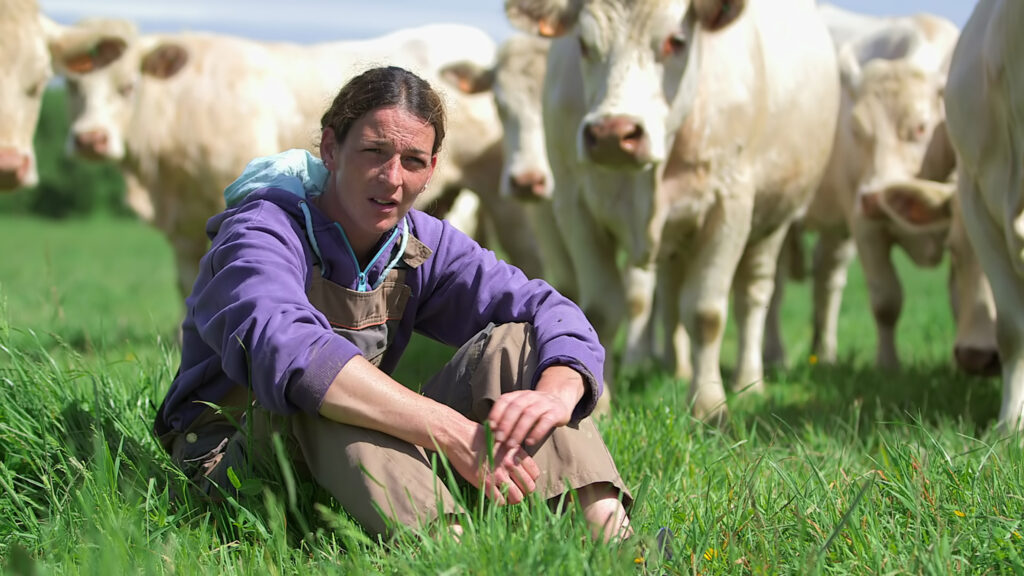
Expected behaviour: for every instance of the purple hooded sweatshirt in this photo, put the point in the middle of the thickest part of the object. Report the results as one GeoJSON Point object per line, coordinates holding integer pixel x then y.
{"type": "Point", "coordinates": [248, 321]}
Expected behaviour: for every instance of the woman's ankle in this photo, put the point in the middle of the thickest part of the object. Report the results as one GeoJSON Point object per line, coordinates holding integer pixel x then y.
{"type": "Point", "coordinates": [604, 512]}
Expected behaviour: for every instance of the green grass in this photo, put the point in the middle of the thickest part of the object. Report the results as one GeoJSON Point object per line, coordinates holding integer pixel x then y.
{"type": "Point", "coordinates": [835, 470]}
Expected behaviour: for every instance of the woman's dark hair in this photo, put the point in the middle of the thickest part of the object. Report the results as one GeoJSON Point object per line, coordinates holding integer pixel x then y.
{"type": "Point", "coordinates": [382, 88]}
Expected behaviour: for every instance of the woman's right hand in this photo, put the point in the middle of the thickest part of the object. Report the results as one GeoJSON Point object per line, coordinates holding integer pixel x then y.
{"type": "Point", "coordinates": [506, 478]}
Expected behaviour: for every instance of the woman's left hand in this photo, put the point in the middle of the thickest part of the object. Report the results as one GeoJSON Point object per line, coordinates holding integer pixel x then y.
{"type": "Point", "coordinates": [528, 416]}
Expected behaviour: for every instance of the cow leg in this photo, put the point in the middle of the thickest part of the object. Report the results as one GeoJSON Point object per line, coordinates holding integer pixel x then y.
{"type": "Point", "coordinates": [640, 287]}
{"type": "Point", "coordinates": [874, 249]}
{"type": "Point", "coordinates": [137, 197]}
{"type": "Point", "coordinates": [974, 311]}
{"type": "Point", "coordinates": [986, 236]}
{"type": "Point", "coordinates": [674, 349]}
{"type": "Point", "coordinates": [752, 294]}
{"type": "Point", "coordinates": [556, 261]}
{"type": "Point", "coordinates": [790, 266]}
{"type": "Point", "coordinates": [774, 351]}
{"type": "Point", "coordinates": [464, 213]}
{"type": "Point", "coordinates": [188, 250]}
{"type": "Point", "coordinates": [704, 298]}
{"type": "Point", "coordinates": [601, 294]}
{"type": "Point", "coordinates": [832, 256]}
{"type": "Point", "coordinates": [507, 215]}
{"type": "Point", "coordinates": [513, 230]}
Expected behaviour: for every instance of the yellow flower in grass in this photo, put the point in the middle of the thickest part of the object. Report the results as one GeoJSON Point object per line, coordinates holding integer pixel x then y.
{"type": "Point", "coordinates": [959, 513]}
{"type": "Point", "coordinates": [638, 560]}
{"type": "Point", "coordinates": [812, 359]}
{"type": "Point", "coordinates": [710, 554]}
{"type": "Point", "coordinates": [1015, 533]}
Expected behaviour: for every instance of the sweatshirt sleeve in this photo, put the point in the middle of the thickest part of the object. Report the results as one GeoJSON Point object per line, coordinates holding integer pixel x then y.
{"type": "Point", "coordinates": [468, 283]}
{"type": "Point", "coordinates": [254, 313]}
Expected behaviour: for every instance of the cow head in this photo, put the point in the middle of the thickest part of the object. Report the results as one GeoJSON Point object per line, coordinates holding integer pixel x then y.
{"type": "Point", "coordinates": [890, 109]}
{"type": "Point", "coordinates": [104, 62]}
{"type": "Point", "coordinates": [639, 65]}
{"type": "Point", "coordinates": [25, 71]}
{"type": "Point", "coordinates": [516, 82]}
{"type": "Point", "coordinates": [925, 208]}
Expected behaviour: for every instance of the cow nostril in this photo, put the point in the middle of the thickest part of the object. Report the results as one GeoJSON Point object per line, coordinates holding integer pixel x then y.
{"type": "Point", "coordinates": [634, 134]}
{"type": "Point", "coordinates": [92, 141]}
{"type": "Point", "coordinates": [632, 137]}
{"type": "Point", "coordinates": [527, 184]}
{"type": "Point", "coordinates": [589, 137]}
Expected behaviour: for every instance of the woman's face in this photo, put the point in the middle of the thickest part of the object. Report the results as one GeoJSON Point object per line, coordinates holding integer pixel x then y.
{"type": "Point", "coordinates": [376, 173]}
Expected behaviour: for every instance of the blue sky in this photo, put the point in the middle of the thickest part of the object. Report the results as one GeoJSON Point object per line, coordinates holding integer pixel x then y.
{"type": "Point", "coordinates": [307, 21]}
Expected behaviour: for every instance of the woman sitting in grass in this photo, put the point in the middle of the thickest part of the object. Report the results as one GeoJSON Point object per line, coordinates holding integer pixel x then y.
{"type": "Point", "coordinates": [317, 276]}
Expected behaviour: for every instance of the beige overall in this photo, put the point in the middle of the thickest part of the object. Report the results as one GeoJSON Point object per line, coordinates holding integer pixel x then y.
{"type": "Point", "coordinates": [378, 479]}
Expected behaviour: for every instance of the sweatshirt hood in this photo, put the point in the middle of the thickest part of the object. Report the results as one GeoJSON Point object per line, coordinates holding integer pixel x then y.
{"type": "Point", "coordinates": [296, 171]}
{"type": "Point", "coordinates": [281, 178]}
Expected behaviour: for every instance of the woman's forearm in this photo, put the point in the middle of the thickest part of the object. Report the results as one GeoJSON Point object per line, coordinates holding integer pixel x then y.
{"type": "Point", "coordinates": [362, 395]}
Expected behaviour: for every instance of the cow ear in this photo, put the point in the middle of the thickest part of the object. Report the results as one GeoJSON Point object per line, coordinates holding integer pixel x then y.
{"type": "Point", "coordinates": [51, 30]}
{"type": "Point", "coordinates": [468, 77]}
{"type": "Point", "coordinates": [96, 57]}
{"type": "Point", "coordinates": [849, 68]}
{"type": "Point", "coordinates": [920, 205]}
{"type": "Point", "coordinates": [717, 14]}
{"type": "Point", "coordinates": [548, 18]}
{"type": "Point", "coordinates": [164, 61]}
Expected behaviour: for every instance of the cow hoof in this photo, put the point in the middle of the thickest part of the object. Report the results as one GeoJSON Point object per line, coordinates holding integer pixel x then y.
{"type": "Point", "coordinates": [712, 412]}
{"type": "Point", "coordinates": [748, 386]}
{"type": "Point", "coordinates": [978, 361]}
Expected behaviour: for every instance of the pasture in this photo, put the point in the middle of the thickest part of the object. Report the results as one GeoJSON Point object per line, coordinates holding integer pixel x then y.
{"type": "Point", "coordinates": [837, 469]}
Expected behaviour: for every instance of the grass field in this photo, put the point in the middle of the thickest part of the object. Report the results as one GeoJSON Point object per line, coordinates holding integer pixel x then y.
{"type": "Point", "coordinates": [837, 469]}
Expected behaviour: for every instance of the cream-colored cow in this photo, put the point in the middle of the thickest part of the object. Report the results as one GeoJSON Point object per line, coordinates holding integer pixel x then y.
{"type": "Point", "coordinates": [516, 81]}
{"type": "Point", "coordinates": [893, 77]}
{"type": "Point", "coordinates": [24, 73]}
{"type": "Point", "coordinates": [985, 120]}
{"type": "Point", "coordinates": [689, 135]}
{"type": "Point", "coordinates": [184, 113]}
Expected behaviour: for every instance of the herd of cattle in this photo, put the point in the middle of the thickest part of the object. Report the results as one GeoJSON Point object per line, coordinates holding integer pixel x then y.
{"type": "Point", "coordinates": [647, 157]}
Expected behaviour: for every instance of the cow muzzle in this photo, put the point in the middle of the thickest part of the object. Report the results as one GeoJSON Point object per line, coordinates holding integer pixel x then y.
{"type": "Point", "coordinates": [14, 169]}
{"type": "Point", "coordinates": [616, 141]}
{"type": "Point", "coordinates": [528, 186]}
{"type": "Point", "coordinates": [92, 144]}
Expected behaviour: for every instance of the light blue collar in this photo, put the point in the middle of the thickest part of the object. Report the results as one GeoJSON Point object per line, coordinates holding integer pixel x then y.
{"type": "Point", "coordinates": [362, 285]}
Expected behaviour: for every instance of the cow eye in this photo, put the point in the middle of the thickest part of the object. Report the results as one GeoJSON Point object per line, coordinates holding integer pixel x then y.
{"type": "Point", "coordinates": [674, 44]}
{"type": "Point", "coordinates": [918, 131]}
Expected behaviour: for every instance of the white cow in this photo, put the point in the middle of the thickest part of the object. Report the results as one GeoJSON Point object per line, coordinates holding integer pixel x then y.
{"type": "Point", "coordinates": [689, 135]}
{"type": "Point", "coordinates": [892, 76]}
{"type": "Point", "coordinates": [985, 120]}
{"type": "Point", "coordinates": [183, 114]}
{"type": "Point", "coordinates": [516, 82]}
{"type": "Point", "coordinates": [24, 73]}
